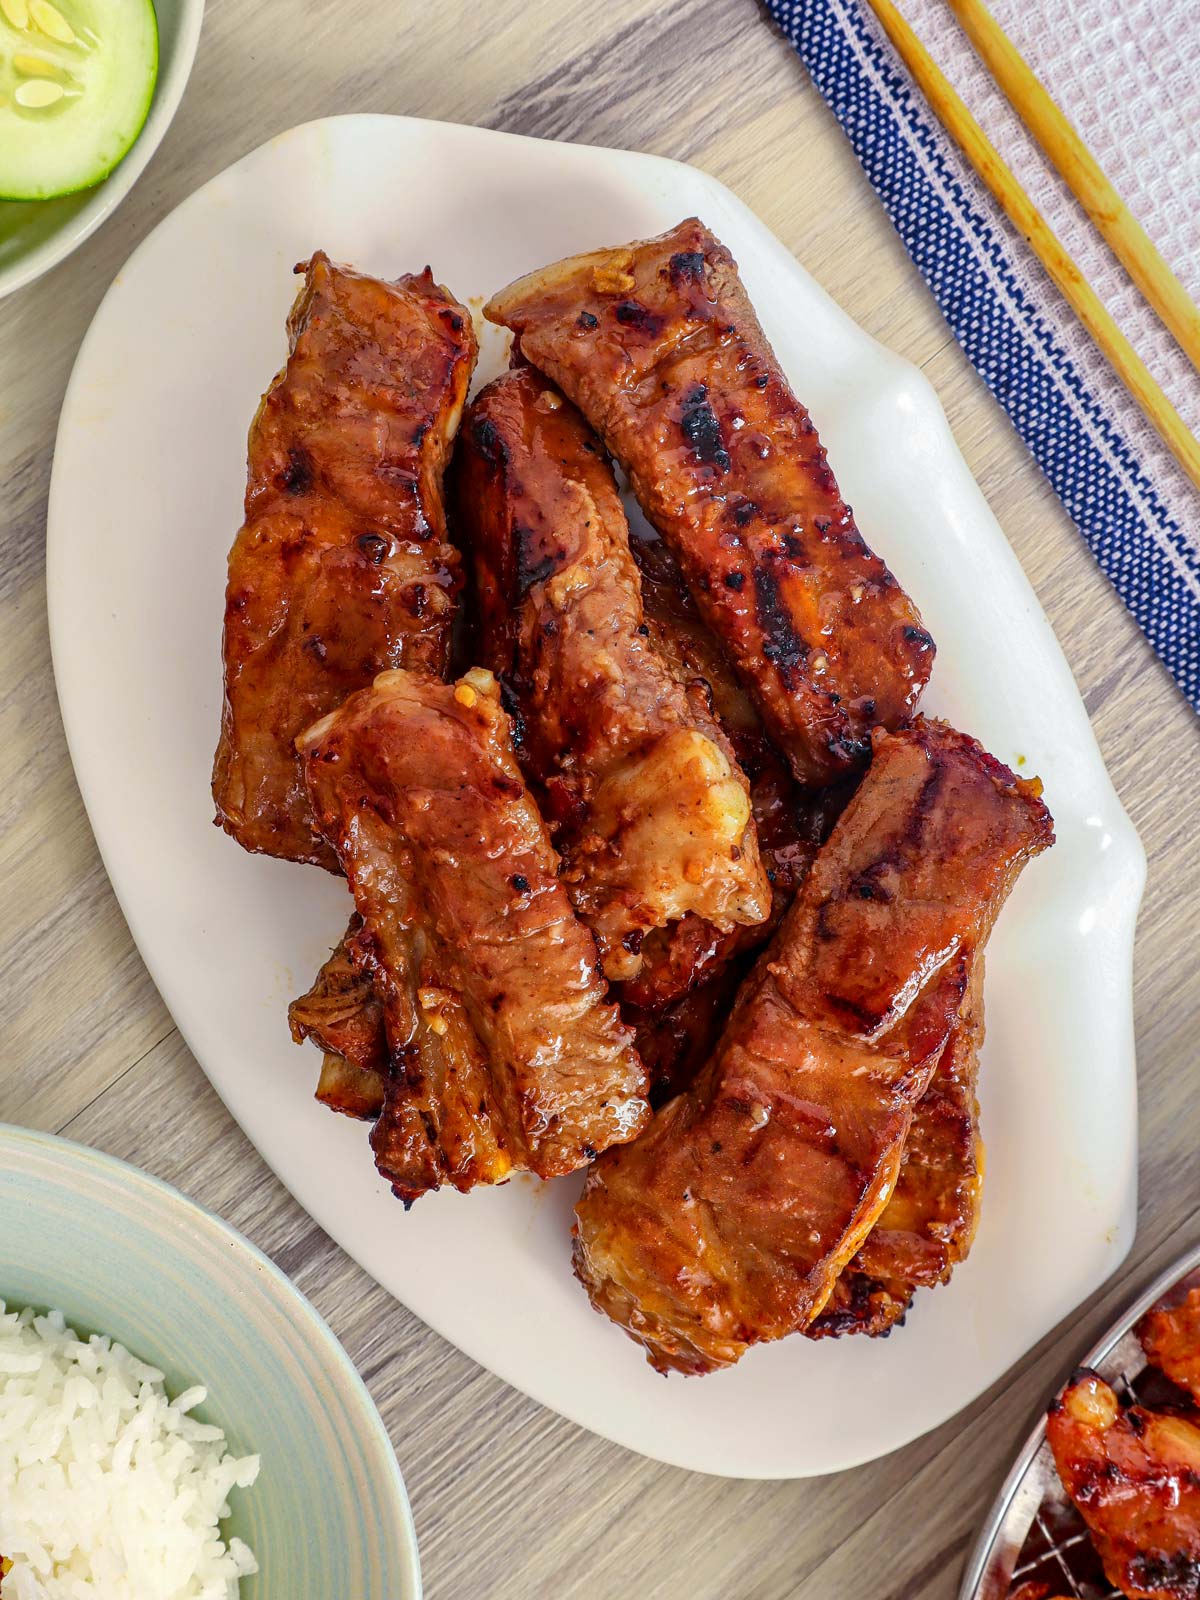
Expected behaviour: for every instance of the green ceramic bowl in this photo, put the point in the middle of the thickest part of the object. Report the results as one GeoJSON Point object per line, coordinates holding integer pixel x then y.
{"type": "Point", "coordinates": [121, 1253]}
{"type": "Point", "coordinates": [37, 234]}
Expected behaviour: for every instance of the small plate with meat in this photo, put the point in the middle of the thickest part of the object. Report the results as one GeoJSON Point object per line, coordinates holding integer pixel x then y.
{"type": "Point", "coordinates": [1104, 1499]}
{"type": "Point", "coordinates": [609, 832]}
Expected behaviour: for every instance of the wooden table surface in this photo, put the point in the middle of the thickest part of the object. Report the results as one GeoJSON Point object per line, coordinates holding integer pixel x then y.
{"type": "Point", "coordinates": [510, 1500]}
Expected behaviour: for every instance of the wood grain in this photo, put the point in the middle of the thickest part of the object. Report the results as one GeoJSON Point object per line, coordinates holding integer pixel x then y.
{"type": "Point", "coordinates": [511, 1502]}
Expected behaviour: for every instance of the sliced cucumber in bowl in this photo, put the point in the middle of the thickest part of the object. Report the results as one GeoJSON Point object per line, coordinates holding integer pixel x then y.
{"type": "Point", "coordinates": [76, 81]}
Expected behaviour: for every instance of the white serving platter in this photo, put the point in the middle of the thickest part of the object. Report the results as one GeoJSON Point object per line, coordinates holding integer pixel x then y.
{"type": "Point", "coordinates": [145, 500]}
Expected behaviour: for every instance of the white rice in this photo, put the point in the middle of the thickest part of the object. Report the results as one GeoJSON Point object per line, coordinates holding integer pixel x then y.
{"type": "Point", "coordinates": [107, 1488]}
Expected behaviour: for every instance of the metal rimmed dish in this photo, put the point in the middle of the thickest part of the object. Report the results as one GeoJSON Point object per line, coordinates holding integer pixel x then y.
{"type": "Point", "coordinates": [1032, 1532]}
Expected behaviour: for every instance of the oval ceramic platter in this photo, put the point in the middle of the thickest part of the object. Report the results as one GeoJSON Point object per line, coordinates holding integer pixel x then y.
{"type": "Point", "coordinates": [146, 497]}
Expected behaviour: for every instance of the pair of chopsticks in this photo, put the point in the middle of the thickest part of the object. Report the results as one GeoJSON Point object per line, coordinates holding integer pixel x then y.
{"type": "Point", "coordinates": [1078, 168]}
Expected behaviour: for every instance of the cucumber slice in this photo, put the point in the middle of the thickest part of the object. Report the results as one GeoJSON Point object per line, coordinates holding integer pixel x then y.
{"type": "Point", "coordinates": [76, 81]}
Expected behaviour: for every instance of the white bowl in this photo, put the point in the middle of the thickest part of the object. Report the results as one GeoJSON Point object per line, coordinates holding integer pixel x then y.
{"type": "Point", "coordinates": [36, 235]}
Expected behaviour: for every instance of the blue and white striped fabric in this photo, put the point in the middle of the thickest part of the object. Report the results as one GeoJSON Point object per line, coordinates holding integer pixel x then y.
{"type": "Point", "coordinates": [1129, 502]}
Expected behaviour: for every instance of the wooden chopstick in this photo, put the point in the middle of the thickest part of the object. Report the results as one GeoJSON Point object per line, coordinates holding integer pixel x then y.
{"type": "Point", "coordinates": [1080, 170]}
{"type": "Point", "coordinates": [1024, 215]}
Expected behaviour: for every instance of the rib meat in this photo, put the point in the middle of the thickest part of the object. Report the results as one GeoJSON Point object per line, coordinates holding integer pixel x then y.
{"type": "Point", "coordinates": [1134, 1476]}
{"type": "Point", "coordinates": [928, 1225]}
{"type": "Point", "coordinates": [504, 1052]}
{"type": "Point", "coordinates": [343, 1015]}
{"type": "Point", "coordinates": [729, 1221]}
{"type": "Point", "coordinates": [790, 821]}
{"type": "Point", "coordinates": [644, 796]}
{"type": "Point", "coordinates": [676, 1043]}
{"type": "Point", "coordinates": [658, 345]}
{"type": "Point", "coordinates": [1170, 1336]}
{"type": "Point", "coordinates": [342, 568]}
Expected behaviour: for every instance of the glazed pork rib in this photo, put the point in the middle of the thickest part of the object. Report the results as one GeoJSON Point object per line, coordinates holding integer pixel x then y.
{"type": "Point", "coordinates": [658, 345]}
{"type": "Point", "coordinates": [791, 822]}
{"type": "Point", "coordinates": [344, 1016]}
{"type": "Point", "coordinates": [504, 1052]}
{"type": "Point", "coordinates": [342, 568]}
{"type": "Point", "coordinates": [1170, 1336]}
{"type": "Point", "coordinates": [1134, 1476]}
{"type": "Point", "coordinates": [676, 1043]}
{"type": "Point", "coordinates": [645, 799]}
{"type": "Point", "coordinates": [928, 1225]}
{"type": "Point", "coordinates": [730, 1219]}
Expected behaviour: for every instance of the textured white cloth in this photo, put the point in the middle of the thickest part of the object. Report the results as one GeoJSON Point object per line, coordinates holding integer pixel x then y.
{"type": "Point", "coordinates": [1127, 75]}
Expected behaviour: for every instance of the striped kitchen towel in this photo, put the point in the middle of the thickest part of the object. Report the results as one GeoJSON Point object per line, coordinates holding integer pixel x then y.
{"type": "Point", "coordinates": [1127, 74]}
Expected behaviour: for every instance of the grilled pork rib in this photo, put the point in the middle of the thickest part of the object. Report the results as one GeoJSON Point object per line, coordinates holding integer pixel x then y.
{"type": "Point", "coordinates": [928, 1225]}
{"type": "Point", "coordinates": [504, 1052]}
{"type": "Point", "coordinates": [676, 1043]}
{"type": "Point", "coordinates": [645, 799]}
{"type": "Point", "coordinates": [1170, 1337]}
{"type": "Point", "coordinates": [691, 969]}
{"type": "Point", "coordinates": [730, 1219]}
{"type": "Point", "coordinates": [1134, 1476]}
{"type": "Point", "coordinates": [658, 345]}
{"type": "Point", "coordinates": [790, 821]}
{"type": "Point", "coordinates": [342, 1014]}
{"type": "Point", "coordinates": [342, 568]}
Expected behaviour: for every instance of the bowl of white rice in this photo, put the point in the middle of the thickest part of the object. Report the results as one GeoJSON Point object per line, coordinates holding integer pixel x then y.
{"type": "Point", "coordinates": [176, 1420]}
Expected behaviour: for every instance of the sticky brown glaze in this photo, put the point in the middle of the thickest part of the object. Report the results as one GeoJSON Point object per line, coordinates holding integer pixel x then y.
{"type": "Point", "coordinates": [791, 822]}
{"type": "Point", "coordinates": [342, 1014]}
{"type": "Point", "coordinates": [504, 1051]}
{"type": "Point", "coordinates": [679, 959]}
{"type": "Point", "coordinates": [676, 1043]}
{"type": "Point", "coordinates": [645, 798]}
{"type": "Point", "coordinates": [342, 568]}
{"type": "Point", "coordinates": [1134, 1476]}
{"type": "Point", "coordinates": [1170, 1337]}
{"type": "Point", "coordinates": [730, 1219]}
{"type": "Point", "coordinates": [658, 345]}
{"type": "Point", "coordinates": [928, 1225]}
{"type": "Point", "coordinates": [693, 951]}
